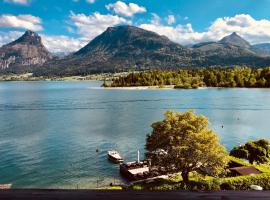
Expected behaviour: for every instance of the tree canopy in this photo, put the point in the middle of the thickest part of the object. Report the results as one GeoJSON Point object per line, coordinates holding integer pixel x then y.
{"type": "Point", "coordinates": [253, 151]}
{"type": "Point", "coordinates": [183, 142]}
{"type": "Point", "coordinates": [198, 77]}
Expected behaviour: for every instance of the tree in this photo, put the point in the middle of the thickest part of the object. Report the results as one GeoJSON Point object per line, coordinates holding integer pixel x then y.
{"type": "Point", "coordinates": [253, 151]}
{"type": "Point", "coordinates": [187, 144]}
{"type": "Point", "coordinates": [213, 77]}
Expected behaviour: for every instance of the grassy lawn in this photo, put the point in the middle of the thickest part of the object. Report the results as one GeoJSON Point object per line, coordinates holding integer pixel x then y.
{"type": "Point", "coordinates": [110, 188]}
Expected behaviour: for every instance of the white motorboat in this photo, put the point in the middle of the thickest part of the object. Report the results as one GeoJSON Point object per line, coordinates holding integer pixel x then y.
{"type": "Point", "coordinates": [115, 156]}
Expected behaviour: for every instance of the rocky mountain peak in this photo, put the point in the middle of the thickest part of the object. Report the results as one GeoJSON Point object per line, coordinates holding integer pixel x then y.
{"type": "Point", "coordinates": [236, 40]}
{"type": "Point", "coordinates": [115, 38]}
{"type": "Point", "coordinates": [27, 50]}
{"type": "Point", "coordinates": [29, 37]}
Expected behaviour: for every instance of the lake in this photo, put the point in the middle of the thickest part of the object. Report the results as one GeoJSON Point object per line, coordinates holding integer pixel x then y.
{"type": "Point", "coordinates": [49, 131]}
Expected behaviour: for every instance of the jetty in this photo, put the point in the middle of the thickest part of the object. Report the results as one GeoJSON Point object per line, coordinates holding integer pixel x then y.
{"type": "Point", "coordinates": [134, 170]}
{"type": "Point", "coordinates": [141, 170]}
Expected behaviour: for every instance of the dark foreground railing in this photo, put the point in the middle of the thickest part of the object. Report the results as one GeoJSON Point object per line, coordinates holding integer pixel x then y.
{"type": "Point", "coordinates": [127, 195]}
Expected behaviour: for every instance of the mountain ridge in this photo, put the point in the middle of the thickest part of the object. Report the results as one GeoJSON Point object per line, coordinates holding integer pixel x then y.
{"type": "Point", "coordinates": [125, 48]}
{"type": "Point", "coordinates": [232, 45]}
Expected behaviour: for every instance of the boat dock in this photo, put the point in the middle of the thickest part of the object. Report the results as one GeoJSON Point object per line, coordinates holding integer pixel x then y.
{"type": "Point", "coordinates": [140, 170]}
{"type": "Point", "coordinates": [134, 170]}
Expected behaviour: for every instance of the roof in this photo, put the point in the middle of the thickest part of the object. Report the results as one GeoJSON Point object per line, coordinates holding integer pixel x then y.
{"type": "Point", "coordinates": [245, 170]}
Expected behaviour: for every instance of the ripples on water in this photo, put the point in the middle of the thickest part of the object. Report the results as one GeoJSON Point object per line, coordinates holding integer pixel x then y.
{"type": "Point", "coordinates": [49, 131]}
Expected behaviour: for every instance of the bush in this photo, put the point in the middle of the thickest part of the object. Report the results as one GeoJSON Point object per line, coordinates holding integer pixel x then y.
{"type": "Point", "coordinates": [237, 162]}
{"type": "Point", "coordinates": [201, 184]}
{"type": "Point", "coordinates": [226, 186]}
{"type": "Point", "coordinates": [232, 183]}
{"type": "Point", "coordinates": [244, 182]}
{"type": "Point", "coordinates": [254, 151]}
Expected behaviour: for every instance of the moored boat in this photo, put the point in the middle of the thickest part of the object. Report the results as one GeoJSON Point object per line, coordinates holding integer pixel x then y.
{"type": "Point", "coordinates": [114, 156]}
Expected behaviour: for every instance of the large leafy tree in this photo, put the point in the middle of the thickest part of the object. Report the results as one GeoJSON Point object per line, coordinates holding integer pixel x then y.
{"type": "Point", "coordinates": [183, 142]}
{"type": "Point", "coordinates": [253, 151]}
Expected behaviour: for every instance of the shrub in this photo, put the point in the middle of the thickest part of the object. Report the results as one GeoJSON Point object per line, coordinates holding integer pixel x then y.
{"type": "Point", "coordinates": [232, 183]}
{"type": "Point", "coordinates": [244, 182]}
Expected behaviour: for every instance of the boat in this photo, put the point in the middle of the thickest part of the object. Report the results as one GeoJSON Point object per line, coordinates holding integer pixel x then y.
{"type": "Point", "coordinates": [114, 156]}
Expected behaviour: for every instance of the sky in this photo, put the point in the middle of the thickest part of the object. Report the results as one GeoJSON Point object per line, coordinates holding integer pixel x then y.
{"type": "Point", "coordinates": [67, 25]}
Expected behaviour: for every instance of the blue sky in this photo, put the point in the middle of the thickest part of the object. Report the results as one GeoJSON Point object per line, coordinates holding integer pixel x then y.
{"type": "Point", "coordinates": [66, 25]}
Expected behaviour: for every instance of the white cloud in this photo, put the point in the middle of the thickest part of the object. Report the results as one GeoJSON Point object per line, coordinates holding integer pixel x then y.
{"type": "Point", "coordinates": [255, 31]}
{"type": "Point", "coordinates": [170, 19]}
{"type": "Point", "coordinates": [6, 37]}
{"type": "Point", "coordinates": [21, 2]}
{"type": "Point", "coordinates": [90, 1]}
{"type": "Point", "coordinates": [124, 9]}
{"type": "Point", "coordinates": [182, 34]}
{"type": "Point", "coordinates": [62, 43]}
{"type": "Point", "coordinates": [92, 25]}
{"type": "Point", "coordinates": [21, 21]}
{"type": "Point", "coordinates": [155, 19]}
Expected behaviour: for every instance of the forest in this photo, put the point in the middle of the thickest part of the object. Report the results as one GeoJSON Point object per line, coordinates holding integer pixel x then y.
{"type": "Point", "coordinates": [197, 77]}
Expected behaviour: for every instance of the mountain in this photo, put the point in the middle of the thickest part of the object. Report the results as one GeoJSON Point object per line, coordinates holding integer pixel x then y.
{"type": "Point", "coordinates": [123, 48]}
{"type": "Point", "coordinates": [223, 50]}
{"type": "Point", "coordinates": [232, 50]}
{"type": "Point", "coordinates": [235, 40]}
{"type": "Point", "coordinates": [230, 46]}
{"type": "Point", "coordinates": [24, 53]}
{"type": "Point", "coordinates": [262, 49]}
{"type": "Point", "coordinates": [126, 48]}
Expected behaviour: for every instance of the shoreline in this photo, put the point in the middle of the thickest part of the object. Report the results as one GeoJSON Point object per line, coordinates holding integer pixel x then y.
{"type": "Point", "coordinates": [82, 79]}
{"type": "Point", "coordinates": [30, 77]}
{"type": "Point", "coordinates": [166, 87]}
{"type": "Point", "coordinates": [171, 87]}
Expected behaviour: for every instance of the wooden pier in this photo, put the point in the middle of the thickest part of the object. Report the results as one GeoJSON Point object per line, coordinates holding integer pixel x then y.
{"type": "Point", "coordinates": [134, 170]}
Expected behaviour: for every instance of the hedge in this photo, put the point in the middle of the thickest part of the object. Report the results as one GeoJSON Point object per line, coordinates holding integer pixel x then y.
{"type": "Point", "coordinates": [244, 182]}
{"type": "Point", "coordinates": [232, 183]}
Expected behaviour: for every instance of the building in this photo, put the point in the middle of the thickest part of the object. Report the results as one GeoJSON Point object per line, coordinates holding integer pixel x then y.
{"type": "Point", "coordinates": [244, 171]}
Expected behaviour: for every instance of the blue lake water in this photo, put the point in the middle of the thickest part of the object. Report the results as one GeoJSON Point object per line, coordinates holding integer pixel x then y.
{"type": "Point", "coordinates": [49, 131]}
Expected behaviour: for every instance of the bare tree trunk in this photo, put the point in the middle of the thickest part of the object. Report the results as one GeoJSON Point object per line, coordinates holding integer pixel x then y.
{"type": "Point", "coordinates": [185, 176]}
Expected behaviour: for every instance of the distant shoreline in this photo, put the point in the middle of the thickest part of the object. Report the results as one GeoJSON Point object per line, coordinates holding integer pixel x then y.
{"type": "Point", "coordinates": [94, 77]}
{"type": "Point", "coordinates": [171, 87]}
{"type": "Point", "coordinates": [142, 87]}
